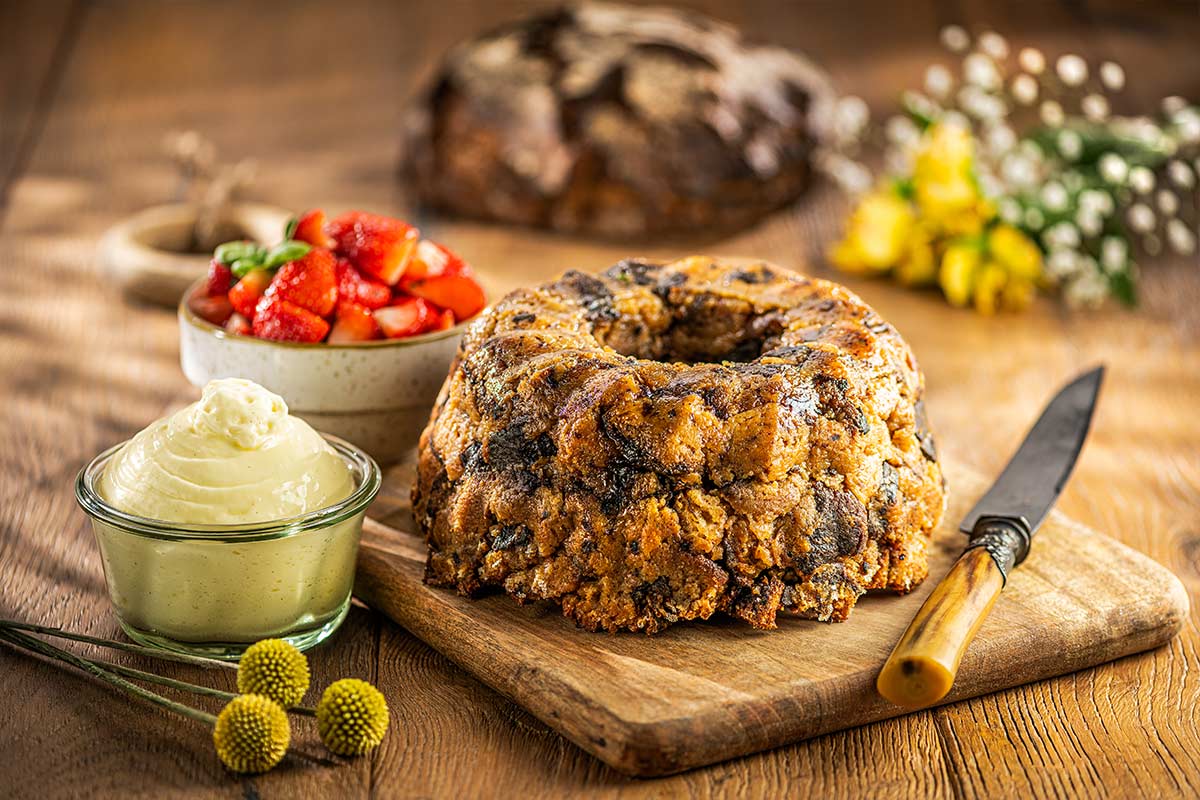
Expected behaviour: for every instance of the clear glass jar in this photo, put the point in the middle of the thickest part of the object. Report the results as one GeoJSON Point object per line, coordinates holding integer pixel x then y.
{"type": "Point", "coordinates": [214, 590]}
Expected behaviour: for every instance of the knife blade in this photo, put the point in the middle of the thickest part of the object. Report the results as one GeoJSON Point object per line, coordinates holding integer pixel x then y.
{"type": "Point", "coordinates": [924, 663]}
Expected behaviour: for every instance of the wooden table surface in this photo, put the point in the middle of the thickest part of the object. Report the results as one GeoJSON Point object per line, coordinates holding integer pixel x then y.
{"type": "Point", "coordinates": [315, 92]}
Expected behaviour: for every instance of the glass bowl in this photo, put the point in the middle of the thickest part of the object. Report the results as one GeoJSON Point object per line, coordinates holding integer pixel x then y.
{"type": "Point", "coordinates": [213, 590]}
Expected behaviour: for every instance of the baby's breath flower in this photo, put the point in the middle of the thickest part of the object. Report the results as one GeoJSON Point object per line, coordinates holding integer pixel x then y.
{"type": "Point", "coordinates": [1009, 210]}
{"type": "Point", "coordinates": [1182, 240]}
{"type": "Point", "coordinates": [1112, 76]}
{"type": "Point", "coordinates": [1024, 89]}
{"type": "Point", "coordinates": [276, 669]}
{"type": "Point", "coordinates": [1173, 104]}
{"type": "Point", "coordinates": [1113, 168]}
{"type": "Point", "coordinates": [1087, 289]}
{"type": "Point", "coordinates": [1001, 138]}
{"type": "Point", "coordinates": [993, 44]}
{"type": "Point", "coordinates": [938, 81]}
{"type": "Point", "coordinates": [1168, 203]}
{"type": "Point", "coordinates": [1054, 196]}
{"type": "Point", "coordinates": [352, 717]}
{"type": "Point", "coordinates": [955, 38]}
{"type": "Point", "coordinates": [1072, 70]}
{"type": "Point", "coordinates": [1141, 180]}
{"type": "Point", "coordinates": [1095, 107]}
{"type": "Point", "coordinates": [1034, 219]}
{"type": "Point", "coordinates": [1061, 235]}
{"type": "Point", "coordinates": [1141, 218]}
{"type": "Point", "coordinates": [251, 734]}
{"type": "Point", "coordinates": [1032, 60]}
{"type": "Point", "coordinates": [1070, 144]}
{"type": "Point", "coordinates": [1097, 200]}
{"type": "Point", "coordinates": [979, 70]}
{"type": "Point", "coordinates": [1114, 252]}
{"type": "Point", "coordinates": [850, 117]}
{"type": "Point", "coordinates": [1181, 174]}
{"type": "Point", "coordinates": [1018, 170]}
{"type": "Point", "coordinates": [1052, 113]}
{"type": "Point", "coordinates": [1062, 264]}
{"type": "Point", "coordinates": [1089, 222]}
{"type": "Point", "coordinates": [902, 131]}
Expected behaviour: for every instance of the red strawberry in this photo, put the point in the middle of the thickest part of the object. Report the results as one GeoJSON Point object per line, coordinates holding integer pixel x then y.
{"type": "Point", "coordinates": [407, 316]}
{"type": "Point", "coordinates": [354, 288]}
{"type": "Point", "coordinates": [354, 324]}
{"type": "Point", "coordinates": [378, 245]}
{"type": "Point", "coordinates": [432, 259]}
{"type": "Point", "coordinates": [219, 279]}
{"type": "Point", "coordinates": [245, 294]}
{"type": "Point", "coordinates": [239, 325]}
{"type": "Point", "coordinates": [443, 322]}
{"type": "Point", "coordinates": [283, 321]}
{"type": "Point", "coordinates": [311, 228]}
{"type": "Point", "coordinates": [213, 309]}
{"type": "Point", "coordinates": [310, 282]}
{"type": "Point", "coordinates": [457, 291]}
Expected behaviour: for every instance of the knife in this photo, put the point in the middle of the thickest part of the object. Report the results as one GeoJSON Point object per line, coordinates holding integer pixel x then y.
{"type": "Point", "coordinates": [922, 667]}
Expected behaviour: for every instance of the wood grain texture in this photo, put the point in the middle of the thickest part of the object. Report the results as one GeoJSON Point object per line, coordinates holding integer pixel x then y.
{"type": "Point", "coordinates": [700, 693]}
{"type": "Point", "coordinates": [318, 101]}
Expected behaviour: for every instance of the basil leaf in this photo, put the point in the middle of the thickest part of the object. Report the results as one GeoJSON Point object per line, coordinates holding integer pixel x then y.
{"type": "Point", "coordinates": [236, 251]}
{"type": "Point", "coordinates": [241, 266]}
{"type": "Point", "coordinates": [284, 252]}
{"type": "Point", "coordinates": [289, 230]}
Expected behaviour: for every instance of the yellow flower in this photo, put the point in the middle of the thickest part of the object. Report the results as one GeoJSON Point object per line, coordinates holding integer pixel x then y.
{"type": "Point", "coordinates": [944, 185]}
{"type": "Point", "coordinates": [274, 669]}
{"type": "Point", "coordinates": [1016, 252]}
{"type": "Point", "coordinates": [957, 273]}
{"type": "Point", "coordinates": [877, 234]}
{"type": "Point", "coordinates": [990, 281]}
{"type": "Point", "coordinates": [352, 717]}
{"type": "Point", "coordinates": [918, 267]}
{"type": "Point", "coordinates": [251, 734]}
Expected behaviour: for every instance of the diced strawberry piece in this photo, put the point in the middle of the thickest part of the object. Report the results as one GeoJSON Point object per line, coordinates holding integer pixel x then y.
{"type": "Point", "coordinates": [407, 316]}
{"type": "Point", "coordinates": [459, 292]}
{"type": "Point", "coordinates": [353, 287]}
{"type": "Point", "coordinates": [379, 246]}
{"type": "Point", "coordinates": [284, 321]}
{"type": "Point", "coordinates": [239, 325]}
{"type": "Point", "coordinates": [311, 228]}
{"type": "Point", "coordinates": [443, 322]}
{"type": "Point", "coordinates": [213, 309]}
{"type": "Point", "coordinates": [310, 282]}
{"type": "Point", "coordinates": [354, 324]}
{"type": "Point", "coordinates": [432, 259]}
{"type": "Point", "coordinates": [246, 293]}
{"type": "Point", "coordinates": [220, 277]}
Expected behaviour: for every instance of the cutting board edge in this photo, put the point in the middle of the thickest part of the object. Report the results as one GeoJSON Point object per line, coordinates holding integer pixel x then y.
{"type": "Point", "coordinates": [646, 749]}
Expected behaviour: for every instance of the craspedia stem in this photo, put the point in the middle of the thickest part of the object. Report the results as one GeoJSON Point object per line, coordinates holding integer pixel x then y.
{"type": "Point", "coordinates": [153, 652]}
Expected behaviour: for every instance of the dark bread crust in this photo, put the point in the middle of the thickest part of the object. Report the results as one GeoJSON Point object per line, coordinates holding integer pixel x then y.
{"type": "Point", "coordinates": [667, 441]}
{"type": "Point", "coordinates": [619, 121]}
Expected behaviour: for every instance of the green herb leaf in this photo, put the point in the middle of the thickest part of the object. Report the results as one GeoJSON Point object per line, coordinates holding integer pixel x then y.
{"type": "Point", "coordinates": [242, 266]}
{"type": "Point", "coordinates": [286, 251]}
{"type": "Point", "coordinates": [230, 252]}
{"type": "Point", "coordinates": [289, 230]}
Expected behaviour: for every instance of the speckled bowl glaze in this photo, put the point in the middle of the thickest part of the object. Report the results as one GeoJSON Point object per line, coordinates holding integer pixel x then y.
{"type": "Point", "coordinates": [375, 394]}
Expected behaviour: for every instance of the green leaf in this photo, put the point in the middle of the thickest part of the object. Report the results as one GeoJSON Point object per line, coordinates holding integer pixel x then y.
{"type": "Point", "coordinates": [289, 230]}
{"type": "Point", "coordinates": [241, 266]}
{"type": "Point", "coordinates": [229, 252]}
{"type": "Point", "coordinates": [286, 251]}
{"type": "Point", "coordinates": [1122, 286]}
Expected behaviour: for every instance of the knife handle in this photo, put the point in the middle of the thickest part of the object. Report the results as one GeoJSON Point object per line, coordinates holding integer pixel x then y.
{"type": "Point", "coordinates": [922, 667]}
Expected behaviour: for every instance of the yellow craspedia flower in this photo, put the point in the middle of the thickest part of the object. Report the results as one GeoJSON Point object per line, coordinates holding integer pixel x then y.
{"type": "Point", "coordinates": [352, 717]}
{"type": "Point", "coordinates": [989, 287]}
{"type": "Point", "coordinates": [876, 234]}
{"type": "Point", "coordinates": [918, 266]}
{"type": "Point", "coordinates": [1016, 252]}
{"type": "Point", "coordinates": [276, 669]}
{"type": "Point", "coordinates": [944, 185]}
{"type": "Point", "coordinates": [251, 734]}
{"type": "Point", "coordinates": [957, 272]}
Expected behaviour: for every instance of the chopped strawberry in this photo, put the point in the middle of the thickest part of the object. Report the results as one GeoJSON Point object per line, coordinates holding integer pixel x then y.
{"type": "Point", "coordinates": [239, 325]}
{"type": "Point", "coordinates": [354, 288]}
{"type": "Point", "coordinates": [245, 294]}
{"type": "Point", "coordinates": [311, 228]}
{"type": "Point", "coordinates": [457, 291]}
{"type": "Point", "coordinates": [213, 309]}
{"type": "Point", "coordinates": [310, 282]}
{"type": "Point", "coordinates": [432, 259]}
{"type": "Point", "coordinates": [284, 321]}
{"type": "Point", "coordinates": [220, 277]}
{"type": "Point", "coordinates": [378, 245]}
{"type": "Point", "coordinates": [354, 323]}
{"type": "Point", "coordinates": [407, 316]}
{"type": "Point", "coordinates": [443, 322]}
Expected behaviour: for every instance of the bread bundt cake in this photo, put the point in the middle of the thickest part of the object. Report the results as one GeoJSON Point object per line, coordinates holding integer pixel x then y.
{"type": "Point", "coordinates": [666, 441]}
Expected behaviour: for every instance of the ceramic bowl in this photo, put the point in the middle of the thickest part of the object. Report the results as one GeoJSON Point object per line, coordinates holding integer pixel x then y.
{"type": "Point", "coordinates": [377, 395]}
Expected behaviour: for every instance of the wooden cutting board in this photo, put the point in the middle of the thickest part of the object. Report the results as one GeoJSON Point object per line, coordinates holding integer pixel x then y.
{"type": "Point", "coordinates": [704, 692]}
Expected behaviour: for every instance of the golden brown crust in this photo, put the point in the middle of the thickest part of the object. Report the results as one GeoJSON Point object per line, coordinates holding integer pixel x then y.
{"type": "Point", "coordinates": [666, 441]}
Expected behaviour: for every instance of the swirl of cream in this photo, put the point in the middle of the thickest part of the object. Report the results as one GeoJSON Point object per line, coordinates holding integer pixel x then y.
{"type": "Point", "coordinates": [235, 456]}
